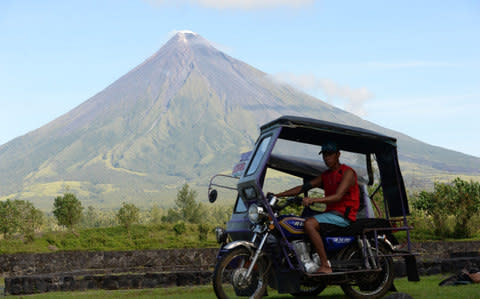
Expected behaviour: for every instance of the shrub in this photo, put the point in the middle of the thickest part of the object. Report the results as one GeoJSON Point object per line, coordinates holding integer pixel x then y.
{"type": "Point", "coordinates": [203, 232]}
{"type": "Point", "coordinates": [458, 199]}
{"type": "Point", "coordinates": [466, 200]}
{"type": "Point", "coordinates": [433, 205]}
{"type": "Point", "coordinates": [179, 228]}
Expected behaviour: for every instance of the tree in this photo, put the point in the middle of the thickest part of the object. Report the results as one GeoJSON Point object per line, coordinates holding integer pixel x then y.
{"type": "Point", "coordinates": [68, 210]}
{"type": "Point", "coordinates": [186, 207]}
{"type": "Point", "coordinates": [128, 214]}
{"type": "Point", "coordinates": [466, 200]}
{"type": "Point", "coordinates": [19, 216]}
{"type": "Point", "coordinates": [459, 199]}
{"type": "Point", "coordinates": [155, 215]}
{"type": "Point", "coordinates": [433, 204]}
{"type": "Point", "coordinates": [30, 218]}
{"type": "Point", "coordinates": [221, 214]}
{"type": "Point", "coordinates": [8, 218]}
{"type": "Point", "coordinates": [90, 218]}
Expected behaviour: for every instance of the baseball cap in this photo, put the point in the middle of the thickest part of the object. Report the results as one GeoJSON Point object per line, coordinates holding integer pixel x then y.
{"type": "Point", "coordinates": [329, 147]}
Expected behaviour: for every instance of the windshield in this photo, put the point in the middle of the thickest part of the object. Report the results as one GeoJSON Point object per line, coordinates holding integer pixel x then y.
{"type": "Point", "coordinates": [257, 157]}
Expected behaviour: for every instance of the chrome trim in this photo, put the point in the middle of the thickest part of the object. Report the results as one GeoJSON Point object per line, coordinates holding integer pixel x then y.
{"type": "Point", "coordinates": [255, 257]}
{"type": "Point", "coordinates": [235, 244]}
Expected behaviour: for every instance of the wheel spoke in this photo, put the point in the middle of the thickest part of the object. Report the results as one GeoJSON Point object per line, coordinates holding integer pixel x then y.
{"type": "Point", "coordinates": [230, 279]}
{"type": "Point", "coordinates": [373, 284]}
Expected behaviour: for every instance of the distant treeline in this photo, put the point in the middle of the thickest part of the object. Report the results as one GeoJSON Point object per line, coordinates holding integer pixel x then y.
{"type": "Point", "coordinates": [20, 218]}
{"type": "Point", "coordinates": [449, 211]}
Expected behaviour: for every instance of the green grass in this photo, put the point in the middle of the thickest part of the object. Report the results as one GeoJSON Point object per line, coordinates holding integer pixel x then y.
{"type": "Point", "coordinates": [138, 237]}
{"type": "Point", "coordinates": [427, 288]}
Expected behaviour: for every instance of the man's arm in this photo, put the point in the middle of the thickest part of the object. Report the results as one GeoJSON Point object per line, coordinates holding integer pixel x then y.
{"type": "Point", "coordinates": [316, 182]}
{"type": "Point", "coordinates": [291, 192]}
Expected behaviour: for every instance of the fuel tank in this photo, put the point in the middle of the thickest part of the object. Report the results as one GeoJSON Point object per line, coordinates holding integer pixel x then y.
{"type": "Point", "coordinates": [292, 226]}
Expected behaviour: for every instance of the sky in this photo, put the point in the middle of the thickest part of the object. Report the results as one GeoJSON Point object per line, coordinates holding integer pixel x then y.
{"type": "Point", "coordinates": [410, 66]}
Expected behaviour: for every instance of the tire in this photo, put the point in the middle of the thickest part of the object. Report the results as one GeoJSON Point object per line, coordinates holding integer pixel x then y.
{"type": "Point", "coordinates": [370, 285]}
{"type": "Point", "coordinates": [227, 276]}
{"type": "Point", "coordinates": [307, 290]}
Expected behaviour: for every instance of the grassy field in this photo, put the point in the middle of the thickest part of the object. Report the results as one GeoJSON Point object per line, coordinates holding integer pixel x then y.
{"type": "Point", "coordinates": [139, 237]}
{"type": "Point", "coordinates": [427, 288]}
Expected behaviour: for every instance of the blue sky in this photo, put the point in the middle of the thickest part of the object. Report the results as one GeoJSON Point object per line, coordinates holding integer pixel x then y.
{"type": "Point", "coordinates": [411, 66]}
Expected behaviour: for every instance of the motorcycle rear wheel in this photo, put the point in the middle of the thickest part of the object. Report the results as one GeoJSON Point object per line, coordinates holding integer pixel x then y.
{"type": "Point", "coordinates": [229, 276]}
{"type": "Point", "coordinates": [370, 285]}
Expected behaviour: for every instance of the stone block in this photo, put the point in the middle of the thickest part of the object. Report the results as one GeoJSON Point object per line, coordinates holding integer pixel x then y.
{"type": "Point", "coordinates": [151, 280]}
{"type": "Point", "coordinates": [67, 283]}
{"type": "Point", "coordinates": [110, 282]}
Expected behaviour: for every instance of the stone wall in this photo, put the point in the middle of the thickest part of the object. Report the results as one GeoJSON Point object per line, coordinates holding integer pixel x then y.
{"type": "Point", "coordinates": [33, 273]}
{"type": "Point", "coordinates": [61, 282]}
{"type": "Point", "coordinates": [107, 262]}
{"type": "Point", "coordinates": [435, 250]}
{"type": "Point", "coordinates": [142, 261]}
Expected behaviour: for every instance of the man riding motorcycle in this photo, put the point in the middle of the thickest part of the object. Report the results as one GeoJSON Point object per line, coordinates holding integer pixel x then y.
{"type": "Point", "coordinates": [341, 197]}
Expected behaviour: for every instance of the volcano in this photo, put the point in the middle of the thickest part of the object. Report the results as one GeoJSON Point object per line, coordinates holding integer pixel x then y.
{"type": "Point", "coordinates": [184, 114]}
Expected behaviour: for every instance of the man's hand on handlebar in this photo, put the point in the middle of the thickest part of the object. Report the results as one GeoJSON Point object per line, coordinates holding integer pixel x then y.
{"type": "Point", "coordinates": [307, 201]}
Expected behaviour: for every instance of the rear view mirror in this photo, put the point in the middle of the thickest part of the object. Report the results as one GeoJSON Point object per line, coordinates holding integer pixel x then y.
{"type": "Point", "coordinates": [212, 196]}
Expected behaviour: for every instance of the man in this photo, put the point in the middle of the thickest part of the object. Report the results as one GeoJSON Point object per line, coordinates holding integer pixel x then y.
{"type": "Point", "coordinates": [342, 197]}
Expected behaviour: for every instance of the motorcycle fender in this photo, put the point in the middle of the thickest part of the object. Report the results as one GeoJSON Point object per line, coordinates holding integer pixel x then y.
{"type": "Point", "coordinates": [236, 244]}
{"type": "Point", "coordinates": [249, 245]}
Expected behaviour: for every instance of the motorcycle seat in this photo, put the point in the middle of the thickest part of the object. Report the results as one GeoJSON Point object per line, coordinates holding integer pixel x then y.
{"type": "Point", "coordinates": [355, 228]}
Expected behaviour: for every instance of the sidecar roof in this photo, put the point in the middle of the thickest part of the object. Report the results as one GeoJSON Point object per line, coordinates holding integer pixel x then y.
{"type": "Point", "coordinates": [352, 139]}
{"type": "Point", "coordinates": [314, 131]}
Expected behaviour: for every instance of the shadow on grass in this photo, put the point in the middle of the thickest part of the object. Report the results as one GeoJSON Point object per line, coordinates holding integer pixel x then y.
{"type": "Point", "coordinates": [320, 296]}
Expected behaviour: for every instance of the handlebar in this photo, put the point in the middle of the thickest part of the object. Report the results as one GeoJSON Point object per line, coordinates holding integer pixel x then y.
{"type": "Point", "coordinates": [289, 201]}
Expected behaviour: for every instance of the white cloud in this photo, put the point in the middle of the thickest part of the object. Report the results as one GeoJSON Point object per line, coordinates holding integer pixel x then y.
{"type": "Point", "coordinates": [238, 4]}
{"type": "Point", "coordinates": [353, 100]}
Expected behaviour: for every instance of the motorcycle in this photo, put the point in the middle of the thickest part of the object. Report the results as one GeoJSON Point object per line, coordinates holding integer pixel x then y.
{"type": "Point", "coordinates": [263, 246]}
{"type": "Point", "coordinates": [281, 256]}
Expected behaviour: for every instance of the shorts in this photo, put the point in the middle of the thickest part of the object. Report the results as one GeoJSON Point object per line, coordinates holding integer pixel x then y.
{"type": "Point", "coordinates": [331, 218]}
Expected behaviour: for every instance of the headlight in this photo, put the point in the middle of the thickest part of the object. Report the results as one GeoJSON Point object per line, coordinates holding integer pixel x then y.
{"type": "Point", "coordinates": [256, 214]}
{"type": "Point", "coordinates": [220, 235]}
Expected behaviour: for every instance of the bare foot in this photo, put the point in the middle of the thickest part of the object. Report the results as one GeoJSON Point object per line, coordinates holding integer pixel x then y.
{"type": "Point", "coordinates": [324, 269]}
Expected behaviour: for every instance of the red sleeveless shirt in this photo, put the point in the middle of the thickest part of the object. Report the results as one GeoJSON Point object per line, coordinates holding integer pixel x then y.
{"type": "Point", "coordinates": [350, 201]}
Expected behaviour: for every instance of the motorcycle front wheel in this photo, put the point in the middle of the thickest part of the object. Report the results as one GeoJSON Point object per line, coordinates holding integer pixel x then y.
{"type": "Point", "coordinates": [374, 284]}
{"type": "Point", "coordinates": [229, 276]}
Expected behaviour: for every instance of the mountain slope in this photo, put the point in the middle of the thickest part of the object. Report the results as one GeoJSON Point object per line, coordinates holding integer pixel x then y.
{"type": "Point", "coordinates": [181, 116]}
